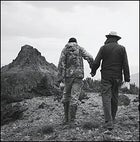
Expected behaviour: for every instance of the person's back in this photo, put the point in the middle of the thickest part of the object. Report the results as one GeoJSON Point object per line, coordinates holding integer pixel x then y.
{"type": "Point", "coordinates": [74, 60]}
{"type": "Point", "coordinates": [71, 72]}
{"type": "Point", "coordinates": [71, 61]}
{"type": "Point", "coordinates": [112, 60]}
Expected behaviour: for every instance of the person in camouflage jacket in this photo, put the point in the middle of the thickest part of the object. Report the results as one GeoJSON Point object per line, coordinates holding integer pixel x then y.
{"type": "Point", "coordinates": [71, 73]}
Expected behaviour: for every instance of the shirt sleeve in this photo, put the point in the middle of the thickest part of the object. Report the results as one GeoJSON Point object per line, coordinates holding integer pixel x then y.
{"type": "Point", "coordinates": [125, 68]}
{"type": "Point", "coordinates": [87, 56]}
{"type": "Point", "coordinates": [97, 61]}
{"type": "Point", "coordinates": [61, 66]}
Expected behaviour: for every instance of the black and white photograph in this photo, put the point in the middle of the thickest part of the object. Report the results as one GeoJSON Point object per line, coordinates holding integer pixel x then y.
{"type": "Point", "coordinates": [70, 71]}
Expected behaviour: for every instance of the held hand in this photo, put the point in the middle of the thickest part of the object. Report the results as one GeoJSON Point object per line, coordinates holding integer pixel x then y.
{"type": "Point", "coordinates": [61, 85]}
{"type": "Point", "coordinates": [125, 85]}
{"type": "Point", "coordinates": [92, 74]}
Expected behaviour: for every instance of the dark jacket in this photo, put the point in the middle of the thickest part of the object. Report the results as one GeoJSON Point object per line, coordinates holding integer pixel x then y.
{"type": "Point", "coordinates": [114, 61]}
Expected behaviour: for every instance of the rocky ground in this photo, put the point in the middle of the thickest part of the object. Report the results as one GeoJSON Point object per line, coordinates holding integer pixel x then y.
{"type": "Point", "coordinates": [43, 120]}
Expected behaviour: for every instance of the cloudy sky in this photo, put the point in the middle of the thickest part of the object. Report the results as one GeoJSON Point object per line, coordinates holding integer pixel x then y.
{"type": "Point", "coordinates": [48, 25]}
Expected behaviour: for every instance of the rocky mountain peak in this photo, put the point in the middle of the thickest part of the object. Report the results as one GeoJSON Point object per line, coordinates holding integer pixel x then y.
{"type": "Point", "coordinates": [27, 50]}
{"type": "Point", "coordinates": [26, 47]}
{"type": "Point", "coordinates": [30, 58]}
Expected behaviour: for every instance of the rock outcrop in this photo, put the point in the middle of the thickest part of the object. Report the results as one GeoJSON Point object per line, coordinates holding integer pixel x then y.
{"type": "Point", "coordinates": [11, 112]}
{"type": "Point", "coordinates": [27, 73]}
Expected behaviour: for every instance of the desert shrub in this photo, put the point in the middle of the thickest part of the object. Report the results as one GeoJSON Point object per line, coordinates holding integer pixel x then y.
{"type": "Point", "coordinates": [8, 98]}
{"type": "Point", "coordinates": [16, 87]}
{"type": "Point", "coordinates": [124, 90]}
{"type": "Point", "coordinates": [123, 100]}
{"type": "Point", "coordinates": [47, 129]}
{"type": "Point", "coordinates": [41, 106]}
{"type": "Point", "coordinates": [90, 125]}
{"type": "Point", "coordinates": [47, 87]}
{"type": "Point", "coordinates": [106, 138]}
{"type": "Point", "coordinates": [91, 85]}
{"type": "Point", "coordinates": [133, 90]}
{"type": "Point", "coordinates": [136, 99]}
{"type": "Point", "coordinates": [83, 95]}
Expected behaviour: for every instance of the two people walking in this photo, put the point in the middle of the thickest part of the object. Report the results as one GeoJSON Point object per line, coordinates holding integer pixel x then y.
{"type": "Point", "coordinates": [114, 68]}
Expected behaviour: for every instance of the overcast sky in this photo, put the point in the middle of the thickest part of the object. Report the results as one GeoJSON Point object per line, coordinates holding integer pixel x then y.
{"type": "Point", "coordinates": [48, 25]}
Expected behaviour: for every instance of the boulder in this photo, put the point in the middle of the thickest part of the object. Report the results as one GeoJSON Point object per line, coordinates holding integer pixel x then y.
{"type": "Point", "coordinates": [11, 112]}
{"type": "Point", "coordinates": [83, 95]}
{"type": "Point", "coordinates": [136, 99]}
{"type": "Point", "coordinates": [123, 100]}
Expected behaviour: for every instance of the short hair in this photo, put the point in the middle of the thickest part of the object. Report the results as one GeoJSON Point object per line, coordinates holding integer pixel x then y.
{"type": "Point", "coordinates": [72, 40]}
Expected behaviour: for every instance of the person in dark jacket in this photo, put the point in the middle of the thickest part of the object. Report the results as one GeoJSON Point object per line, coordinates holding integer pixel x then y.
{"type": "Point", "coordinates": [114, 65]}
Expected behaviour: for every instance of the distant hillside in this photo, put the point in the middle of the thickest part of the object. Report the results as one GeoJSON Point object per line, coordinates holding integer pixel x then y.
{"type": "Point", "coordinates": [135, 79]}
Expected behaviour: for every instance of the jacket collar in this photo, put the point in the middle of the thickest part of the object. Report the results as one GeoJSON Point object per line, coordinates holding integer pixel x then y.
{"type": "Point", "coordinates": [71, 44]}
{"type": "Point", "coordinates": [111, 40]}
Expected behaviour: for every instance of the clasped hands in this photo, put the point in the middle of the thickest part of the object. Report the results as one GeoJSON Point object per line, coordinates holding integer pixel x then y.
{"type": "Point", "coordinates": [92, 73]}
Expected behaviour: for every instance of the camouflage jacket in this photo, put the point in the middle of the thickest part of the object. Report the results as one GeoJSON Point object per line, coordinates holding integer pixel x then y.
{"type": "Point", "coordinates": [71, 61]}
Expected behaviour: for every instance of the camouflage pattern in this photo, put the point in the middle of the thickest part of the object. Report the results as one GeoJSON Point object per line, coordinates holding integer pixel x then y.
{"type": "Point", "coordinates": [72, 91]}
{"type": "Point", "coordinates": [71, 61]}
{"type": "Point", "coordinates": [71, 72]}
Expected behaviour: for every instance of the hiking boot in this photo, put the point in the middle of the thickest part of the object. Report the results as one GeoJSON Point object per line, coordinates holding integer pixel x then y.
{"type": "Point", "coordinates": [66, 112]}
{"type": "Point", "coordinates": [73, 110]}
{"type": "Point", "coordinates": [114, 121]}
{"type": "Point", "coordinates": [108, 125]}
{"type": "Point", "coordinates": [65, 122]}
{"type": "Point", "coordinates": [107, 132]}
{"type": "Point", "coordinates": [72, 125]}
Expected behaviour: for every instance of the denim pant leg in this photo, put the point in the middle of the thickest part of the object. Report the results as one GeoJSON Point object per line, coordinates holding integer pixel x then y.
{"type": "Point", "coordinates": [106, 99]}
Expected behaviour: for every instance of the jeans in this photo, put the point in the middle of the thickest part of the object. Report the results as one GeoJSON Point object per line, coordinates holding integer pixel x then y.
{"type": "Point", "coordinates": [109, 92]}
